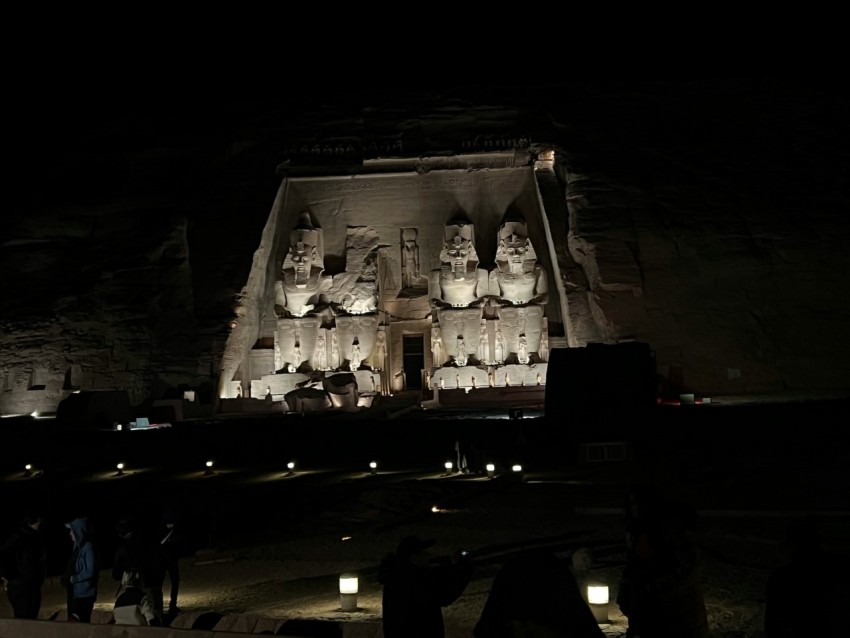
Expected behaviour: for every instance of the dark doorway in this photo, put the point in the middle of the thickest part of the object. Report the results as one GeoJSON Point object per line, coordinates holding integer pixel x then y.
{"type": "Point", "coordinates": [414, 361]}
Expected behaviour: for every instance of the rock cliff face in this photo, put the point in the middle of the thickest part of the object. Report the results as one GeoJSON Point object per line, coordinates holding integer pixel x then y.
{"type": "Point", "coordinates": [706, 218]}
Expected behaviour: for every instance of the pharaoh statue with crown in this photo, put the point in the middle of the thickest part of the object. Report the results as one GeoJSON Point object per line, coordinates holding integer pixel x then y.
{"type": "Point", "coordinates": [303, 283]}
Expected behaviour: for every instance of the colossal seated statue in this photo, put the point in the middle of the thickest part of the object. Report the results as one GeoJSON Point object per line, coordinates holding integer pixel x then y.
{"type": "Point", "coordinates": [303, 282]}
{"type": "Point", "coordinates": [456, 283]}
{"type": "Point", "coordinates": [518, 277]}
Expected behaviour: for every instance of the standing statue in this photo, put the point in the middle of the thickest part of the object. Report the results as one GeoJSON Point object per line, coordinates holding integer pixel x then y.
{"type": "Point", "coordinates": [461, 357]}
{"type": "Point", "coordinates": [380, 350]}
{"type": "Point", "coordinates": [355, 356]}
{"type": "Point", "coordinates": [543, 348]}
{"type": "Point", "coordinates": [483, 345]}
{"type": "Point", "coordinates": [296, 357]}
{"type": "Point", "coordinates": [522, 349]}
{"type": "Point", "coordinates": [436, 346]}
{"type": "Point", "coordinates": [321, 351]}
{"type": "Point", "coordinates": [334, 354]}
{"type": "Point", "coordinates": [409, 258]}
{"type": "Point", "coordinates": [500, 347]}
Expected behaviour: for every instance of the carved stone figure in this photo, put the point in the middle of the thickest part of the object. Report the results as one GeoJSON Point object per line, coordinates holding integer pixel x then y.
{"type": "Point", "coordinates": [380, 350]}
{"type": "Point", "coordinates": [334, 354]}
{"type": "Point", "coordinates": [518, 276]}
{"type": "Point", "coordinates": [436, 346]}
{"type": "Point", "coordinates": [543, 349]}
{"type": "Point", "coordinates": [409, 258]}
{"type": "Point", "coordinates": [355, 291]}
{"type": "Point", "coordinates": [461, 358]}
{"type": "Point", "coordinates": [522, 349]}
{"type": "Point", "coordinates": [355, 356]}
{"type": "Point", "coordinates": [483, 345]}
{"type": "Point", "coordinates": [296, 356]}
{"type": "Point", "coordinates": [459, 276]}
{"type": "Point", "coordinates": [321, 351]}
{"type": "Point", "coordinates": [302, 282]}
{"type": "Point", "coordinates": [500, 347]}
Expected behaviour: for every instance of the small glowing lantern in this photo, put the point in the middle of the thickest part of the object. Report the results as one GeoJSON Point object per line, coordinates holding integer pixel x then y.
{"type": "Point", "coordinates": [448, 466]}
{"type": "Point", "coordinates": [597, 597]}
{"type": "Point", "coordinates": [348, 587]}
{"type": "Point", "coordinates": [373, 467]}
{"type": "Point", "coordinates": [120, 468]}
{"type": "Point", "coordinates": [291, 467]}
{"type": "Point", "coordinates": [516, 468]}
{"type": "Point", "coordinates": [491, 470]}
{"type": "Point", "coordinates": [209, 469]}
{"type": "Point", "coordinates": [28, 469]}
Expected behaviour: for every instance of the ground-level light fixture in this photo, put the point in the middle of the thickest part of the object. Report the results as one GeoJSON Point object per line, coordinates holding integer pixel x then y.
{"type": "Point", "coordinates": [119, 469]}
{"type": "Point", "coordinates": [348, 588]}
{"type": "Point", "coordinates": [28, 469]}
{"type": "Point", "coordinates": [209, 470]}
{"type": "Point", "coordinates": [290, 467]}
{"type": "Point", "coordinates": [597, 598]}
{"type": "Point", "coordinates": [448, 465]}
{"type": "Point", "coordinates": [516, 469]}
{"type": "Point", "coordinates": [373, 467]}
{"type": "Point", "coordinates": [491, 470]}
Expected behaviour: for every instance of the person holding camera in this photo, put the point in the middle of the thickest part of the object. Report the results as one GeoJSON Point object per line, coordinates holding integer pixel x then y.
{"type": "Point", "coordinates": [416, 588]}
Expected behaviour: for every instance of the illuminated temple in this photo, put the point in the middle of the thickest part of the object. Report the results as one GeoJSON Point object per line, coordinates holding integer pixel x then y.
{"type": "Point", "coordinates": [435, 274]}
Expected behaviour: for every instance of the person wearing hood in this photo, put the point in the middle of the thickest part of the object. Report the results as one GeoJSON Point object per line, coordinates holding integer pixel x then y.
{"type": "Point", "coordinates": [417, 588]}
{"type": "Point", "coordinates": [22, 567]}
{"type": "Point", "coordinates": [81, 573]}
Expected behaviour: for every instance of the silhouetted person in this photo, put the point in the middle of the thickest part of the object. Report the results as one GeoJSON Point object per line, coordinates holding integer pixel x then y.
{"type": "Point", "coordinates": [134, 605]}
{"type": "Point", "coordinates": [81, 574]}
{"type": "Point", "coordinates": [170, 540]}
{"type": "Point", "coordinates": [659, 591]}
{"type": "Point", "coordinates": [537, 595]}
{"type": "Point", "coordinates": [138, 551]}
{"type": "Point", "coordinates": [795, 591]}
{"type": "Point", "coordinates": [416, 589]}
{"type": "Point", "coordinates": [22, 567]}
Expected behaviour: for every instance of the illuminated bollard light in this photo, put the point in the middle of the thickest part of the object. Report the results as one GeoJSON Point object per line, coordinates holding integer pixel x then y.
{"type": "Point", "coordinates": [517, 470]}
{"type": "Point", "coordinates": [209, 469]}
{"type": "Point", "coordinates": [119, 469]}
{"type": "Point", "coordinates": [373, 467]}
{"type": "Point", "coordinates": [28, 470]}
{"type": "Point", "coordinates": [597, 598]}
{"type": "Point", "coordinates": [291, 468]}
{"type": "Point", "coordinates": [348, 588]}
{"type": "Point", "coordinates": [491, 470]}
{"type": "Point", "coordinates": [448, 466]}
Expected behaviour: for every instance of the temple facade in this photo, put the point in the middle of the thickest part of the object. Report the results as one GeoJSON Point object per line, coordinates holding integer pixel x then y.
{"type": "Point", "coordinates": [436, 275]}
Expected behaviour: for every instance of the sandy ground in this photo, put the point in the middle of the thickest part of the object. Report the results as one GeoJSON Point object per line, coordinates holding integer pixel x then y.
{"type": "Point", "coordinates": [273, 557]}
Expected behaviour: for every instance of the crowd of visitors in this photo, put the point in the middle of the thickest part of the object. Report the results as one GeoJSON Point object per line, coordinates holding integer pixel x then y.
{"type": "Point", "coordinates": [534, 593]}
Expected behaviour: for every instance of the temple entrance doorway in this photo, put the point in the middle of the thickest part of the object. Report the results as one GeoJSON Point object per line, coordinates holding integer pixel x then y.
{"type": "Point", "coordinates": [413, 349]}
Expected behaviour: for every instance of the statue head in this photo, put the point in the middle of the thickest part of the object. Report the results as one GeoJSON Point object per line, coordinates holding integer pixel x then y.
{"type": "Point", "coordinates": [514, 252]}
{"type": "Point", "coordinates": [303, 255]}
{"type": "Point", "coordinates": [459, 252]}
